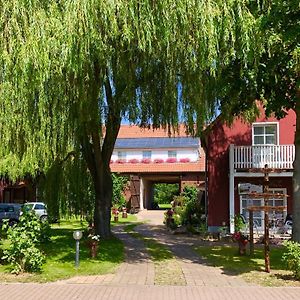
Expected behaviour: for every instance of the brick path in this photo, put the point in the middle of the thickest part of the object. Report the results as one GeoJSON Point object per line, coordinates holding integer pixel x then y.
{"type": "Point", "coordinates": [135, 277]}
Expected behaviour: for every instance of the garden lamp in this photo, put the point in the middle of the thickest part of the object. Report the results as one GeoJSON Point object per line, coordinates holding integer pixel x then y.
{"type": "Point", "coordinates": [77, 235]}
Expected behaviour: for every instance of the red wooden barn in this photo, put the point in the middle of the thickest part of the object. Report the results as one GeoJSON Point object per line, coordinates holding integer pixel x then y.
{"type": "Point", "coordinates": [231, 153]}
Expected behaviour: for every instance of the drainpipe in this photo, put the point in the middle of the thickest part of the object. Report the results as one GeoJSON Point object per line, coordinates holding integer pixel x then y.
{"type": "Point", "coordinates": [231, 188]}
{"type": "Point", "coordinates": [206, 190]}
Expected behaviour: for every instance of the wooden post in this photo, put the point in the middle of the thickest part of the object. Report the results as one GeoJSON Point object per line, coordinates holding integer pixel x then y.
{"type": "Point", "coordinates": [267, 243]}
{"type": "Point", "coordinates": [251, 232]}
{"type": "Point", "coordinates": [267, 239]}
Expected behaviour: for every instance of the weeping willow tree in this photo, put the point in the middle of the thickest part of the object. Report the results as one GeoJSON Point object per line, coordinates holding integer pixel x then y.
{"type": "Point", "coordinates": [70, 71]}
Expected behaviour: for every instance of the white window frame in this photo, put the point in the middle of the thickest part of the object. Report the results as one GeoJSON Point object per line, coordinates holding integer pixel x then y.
{"type": "Point", "coordinates": [147, 152]}
{"type": "Point", "coordinates": [172, 152]}
{"type": "Point", "coordinates": [264, 124]}
{"type": "Point", "coordinates": [122, 155]}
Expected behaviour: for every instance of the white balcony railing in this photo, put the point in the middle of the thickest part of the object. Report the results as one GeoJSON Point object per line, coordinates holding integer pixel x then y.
{"type": "Point", "coordinates": [275, 156]}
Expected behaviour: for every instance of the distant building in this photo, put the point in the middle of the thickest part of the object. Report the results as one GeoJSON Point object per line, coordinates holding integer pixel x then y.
{"type": "Point", "coordinates": [150, 156]}
{"type": "Point", "coordinates": [147, 157]}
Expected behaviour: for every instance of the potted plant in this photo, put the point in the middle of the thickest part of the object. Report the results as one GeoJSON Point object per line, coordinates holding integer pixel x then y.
{"type": "Point", "coordinates": [115, 213]}
{"type": "Point", "coordinates": [169, 220]}
{"type": "Point", "coordinates": [171, 160]}
{"type": "Point", "coordinates": [124, 212]}
{"type": "Point", "coordinates": [146, 161]}
{"type": "Point", "coordinates": [158, 160]}
{"type": "Point", "coordinates": [242, 241]}
{"type": "Point", "coordinates": [133, 161]}
{"type": "Point", "coordinates": [93, 241]}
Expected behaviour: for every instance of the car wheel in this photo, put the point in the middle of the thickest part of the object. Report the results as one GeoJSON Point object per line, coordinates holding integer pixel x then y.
{"type": "Point", "coordinates": [44, 218]}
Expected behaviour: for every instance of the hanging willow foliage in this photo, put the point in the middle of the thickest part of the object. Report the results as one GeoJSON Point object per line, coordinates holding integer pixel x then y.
{"type": "Point", "coordinates": [69, 67]}
{"type": "Point", "coordinates": [67, 189]}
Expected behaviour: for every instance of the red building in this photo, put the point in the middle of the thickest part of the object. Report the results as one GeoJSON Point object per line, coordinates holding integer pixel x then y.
{"type": "Point", "coordinates": [231, 153]}
{"type": "Point", "coordinates": [17, 192]}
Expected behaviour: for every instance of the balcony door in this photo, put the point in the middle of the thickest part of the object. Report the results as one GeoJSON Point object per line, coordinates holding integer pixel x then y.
{"type": "Point", "coordinates": [264, 139]}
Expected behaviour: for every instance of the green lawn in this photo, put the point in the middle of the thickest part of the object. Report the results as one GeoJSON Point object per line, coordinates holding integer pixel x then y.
{"type": "Point", "coordinates": [165, 206]}
{"type": "Point", "coordinates": [249, 268]}
{"type": "Point", "coordinates": [130, 218]}
{"type": "Point", "coordinates": [60, 256]}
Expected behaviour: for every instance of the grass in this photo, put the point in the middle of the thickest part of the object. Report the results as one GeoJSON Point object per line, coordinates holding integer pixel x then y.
{"type": "Point", "coordinates": [165, 205]}
{"type": "Point", "coordinates": [130, 218]}
{"type": "Point", "coordinates": [60, 254]}
{"type": "Point", "coordinates": [251, 269]}
{"type": "Point", "coordinates": [167, 269]}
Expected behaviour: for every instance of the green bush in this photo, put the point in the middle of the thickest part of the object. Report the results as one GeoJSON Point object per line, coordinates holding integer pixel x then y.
{"type": "Point", "coordinates": [22, 253]}
{"type": "Point", "coordinates": [239, 224]}
{"type": "Point", "coordinates": [190, 192]}
{"type": "Point", "coordinates": [191, 213]}
{"type": "Point", "coordinates": [25, 237]}
{"type": "Point", "coordinates": [292, 257]}
{"type": "Point", "coordinates": [164, 192]}
{"type": "Point", "coordinates": [119, 184]}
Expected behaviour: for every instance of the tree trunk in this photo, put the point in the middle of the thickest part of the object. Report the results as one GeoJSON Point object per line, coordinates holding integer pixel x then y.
{"type": "Point", "coordinates": [296, 176]}
{"type": "Point", "coordinates": [103, 196]}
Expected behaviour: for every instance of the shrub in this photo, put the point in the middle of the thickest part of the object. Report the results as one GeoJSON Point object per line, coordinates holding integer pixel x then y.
{"type": "Point", "coordinates": [164, 192]}
{"type": "Point", "coordinates": [188, 207]}
{"type": "Point", "coordinates": [239, 223]}
{"type": "Point", "coordinates": [23, 253]}
{"type": "Point", "coordinates": [292, 257]}
{"type": "Point", "coordinates": [119, 185]}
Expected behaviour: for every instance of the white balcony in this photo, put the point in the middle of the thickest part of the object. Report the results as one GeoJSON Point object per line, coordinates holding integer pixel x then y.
{"type": "Point", "coordinates": [275, 156]}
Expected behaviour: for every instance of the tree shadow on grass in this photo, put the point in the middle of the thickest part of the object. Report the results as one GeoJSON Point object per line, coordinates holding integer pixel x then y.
{"type": "Point", "coordinates": [227, 258]}
{"type": "Point", "coordinates": [62, 247]}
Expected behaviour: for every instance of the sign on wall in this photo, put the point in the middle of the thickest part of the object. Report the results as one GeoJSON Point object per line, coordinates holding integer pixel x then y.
{"type": "Point", "coordinates": [246, 188]}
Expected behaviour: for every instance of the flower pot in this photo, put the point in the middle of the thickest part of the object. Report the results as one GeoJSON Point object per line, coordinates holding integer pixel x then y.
{"type": "Point", "coordinates": [116, 218]}
{"type": "Point", "coordinates": [93, 248]}
{"type": "Point", "coordinates": [170, 221]}
{"type": "Point", "coordinates": [242, 247]}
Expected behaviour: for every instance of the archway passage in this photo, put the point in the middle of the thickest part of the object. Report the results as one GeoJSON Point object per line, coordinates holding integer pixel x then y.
{"type": "Point", "coordinates": [163, 195]}
{"type": "Point", "coordinates": [152, 184]}
{"type": "Point", "coordinates": [144, 188]}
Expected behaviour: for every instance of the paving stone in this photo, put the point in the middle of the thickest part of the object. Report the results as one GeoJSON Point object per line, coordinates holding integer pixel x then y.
{"type": "Point", "coordinates": [134, 279]}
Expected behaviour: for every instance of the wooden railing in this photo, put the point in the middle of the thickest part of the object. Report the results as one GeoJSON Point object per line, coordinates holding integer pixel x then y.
{"type": "Point", "coordinates": [276, 156]}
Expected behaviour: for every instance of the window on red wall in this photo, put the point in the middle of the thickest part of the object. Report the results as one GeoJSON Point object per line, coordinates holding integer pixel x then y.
{"type": "Point", "coordinates": [265, 134]}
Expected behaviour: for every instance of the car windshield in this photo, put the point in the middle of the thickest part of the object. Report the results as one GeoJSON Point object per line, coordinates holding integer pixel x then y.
{"type": "Point", "coordinates": [28, 206]}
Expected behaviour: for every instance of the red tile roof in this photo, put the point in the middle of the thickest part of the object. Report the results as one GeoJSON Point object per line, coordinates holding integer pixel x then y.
{"type": "Point", "coordinates": [133, 131]}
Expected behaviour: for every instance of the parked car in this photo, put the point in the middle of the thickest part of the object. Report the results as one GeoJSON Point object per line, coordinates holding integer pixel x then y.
{"type": "Point", "coordinates": [39, 208]}
{"type": "Point", "coordinates": [10, 212]}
